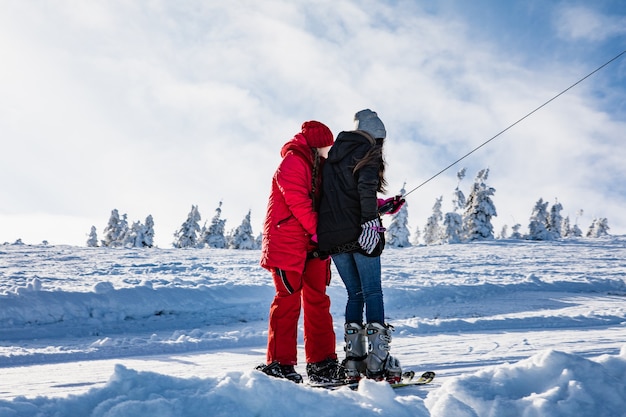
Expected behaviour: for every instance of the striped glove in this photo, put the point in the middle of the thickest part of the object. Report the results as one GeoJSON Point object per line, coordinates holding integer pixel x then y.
{"type": "Point", "coordinates": [370, 237]}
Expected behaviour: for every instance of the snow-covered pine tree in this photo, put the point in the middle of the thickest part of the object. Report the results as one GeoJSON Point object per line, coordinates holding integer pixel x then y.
{"type": "Point", "coordinates": [148, 232]}
{"type": "Point", "coordinates": [599, 227]}
{"type": "Point", "coordinates": [576, 232]}
{"type": "Point", "coordinates": [432, 230]}
{"type": "Point", "coordinates": [115, 230]}
{"type": "Point", "coordinates": [416, 236]}
{"type": "Point", "coordinates": [124, 230]}
{"type": "Point", "coordinates": [479, 209]}
{"type": "Point", "coordinates": [110, 232]}
{"type": "Point", "coordinates": [452, 228]}
{"type": "Point", "coordinates": [538, 226]}
{"type": "Point", "coordinates": [134, 237]}
{"type": "Point", "coordinates": [202, 236]}
{"type": "Point", "coordinates": [515, 234]}
{"type": "Point", "coordinates": [397, 234]}
{"type": "Point", "coordinates": [452, 231]}
{"type": "Point", "coordinates": [504, 232]}
{"type": "Point", "coordinates": [555, 220]}
{"type": "Point", "coordinates": [458, 198]}
{"type": "Point", "coordinates": [566, 230]}
{"type": "Point", "coordinates": [242, 237]}
{"type": "Point", "coordinates": [213, 236]}
{"type": "Point", "coordinates": [187, 237]}
{"type": "Point", "coordinates": [92, 240]}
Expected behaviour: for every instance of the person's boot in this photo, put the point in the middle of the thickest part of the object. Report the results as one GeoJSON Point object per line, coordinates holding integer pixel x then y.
{"type": "Point", "coordinates": [380, 364]}
{"type": "Point", "coordinates": [277, 370]}
{"type": "Point", "coordinates": [327, 371]}
{"type": "Point", "coordinates": [356, 351]}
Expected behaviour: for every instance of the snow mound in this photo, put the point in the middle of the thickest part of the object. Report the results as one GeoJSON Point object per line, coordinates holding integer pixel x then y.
{"type": "Point", "coordinates": [550, 383]}
{"type": "Point", "coordinates": [132, 393]}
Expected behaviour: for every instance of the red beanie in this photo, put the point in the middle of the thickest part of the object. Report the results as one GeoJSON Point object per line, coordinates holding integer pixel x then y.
{"type": "Point", "coordinates": [317, 134]}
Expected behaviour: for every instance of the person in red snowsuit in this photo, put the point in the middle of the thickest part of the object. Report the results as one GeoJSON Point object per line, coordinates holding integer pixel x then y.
{"type": "Point", "coordinates": [289, 235]}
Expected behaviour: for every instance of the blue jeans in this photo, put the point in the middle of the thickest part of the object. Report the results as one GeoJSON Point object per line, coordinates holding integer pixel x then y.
{"type": "Point", "coordinates": [362, 277]}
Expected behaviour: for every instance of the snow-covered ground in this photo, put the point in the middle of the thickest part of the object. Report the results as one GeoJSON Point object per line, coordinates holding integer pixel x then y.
{"type": "Point", "coordinates": [512, 328]}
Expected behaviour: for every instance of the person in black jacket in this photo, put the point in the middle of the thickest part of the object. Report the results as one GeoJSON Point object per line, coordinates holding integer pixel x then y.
{"type": "Point", "coordinates": [350, 230]}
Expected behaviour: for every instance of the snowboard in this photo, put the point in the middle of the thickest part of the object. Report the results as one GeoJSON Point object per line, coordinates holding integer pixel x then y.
{"type": "Point", "coordinates": [408, 379]}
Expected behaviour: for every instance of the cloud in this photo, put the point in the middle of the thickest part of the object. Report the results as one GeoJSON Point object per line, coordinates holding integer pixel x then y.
{"type": "Point", "coordinates": [583, 23]}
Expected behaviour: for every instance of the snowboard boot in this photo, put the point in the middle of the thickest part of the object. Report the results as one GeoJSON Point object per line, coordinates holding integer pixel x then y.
{"type": "Point", "coordinates": [327, 371]}
{"type": "Point", "coordinates": [356, 351]}
{"type": "Point", "coordinates": [380, 364]}
{"type": "Point", "coordinates": [277, 370]}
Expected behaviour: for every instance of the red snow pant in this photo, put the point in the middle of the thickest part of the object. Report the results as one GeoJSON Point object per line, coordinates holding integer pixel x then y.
{"type": "Point", "coordinates": [306, 290]}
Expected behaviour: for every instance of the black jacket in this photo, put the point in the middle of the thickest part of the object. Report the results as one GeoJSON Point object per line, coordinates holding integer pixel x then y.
{"type": "Point", "coordinates": [348, 199]}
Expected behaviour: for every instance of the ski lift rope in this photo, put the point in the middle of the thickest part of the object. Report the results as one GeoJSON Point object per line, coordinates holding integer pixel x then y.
{"type": "Point", "coordinates": [518, 121]}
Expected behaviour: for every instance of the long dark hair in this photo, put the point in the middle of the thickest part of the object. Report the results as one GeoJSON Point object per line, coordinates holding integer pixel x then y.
{"type": "Point", "coordinates": [314, 176]}
{"type": "Point", "coordinates": [375, 156]}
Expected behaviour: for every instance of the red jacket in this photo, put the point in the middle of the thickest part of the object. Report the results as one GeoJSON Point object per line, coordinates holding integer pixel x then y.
{"type": "Point", "coordinates": [291, 217]}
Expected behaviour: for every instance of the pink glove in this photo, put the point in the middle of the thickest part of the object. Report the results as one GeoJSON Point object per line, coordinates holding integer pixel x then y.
{"type": "Point", "coordinates": [390, 205]}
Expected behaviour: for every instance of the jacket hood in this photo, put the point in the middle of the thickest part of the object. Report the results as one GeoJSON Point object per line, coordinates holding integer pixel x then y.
{"type": "Point", "coordinates": [299, 145]}
{"type": "Point", "coordinates": [345, 145]}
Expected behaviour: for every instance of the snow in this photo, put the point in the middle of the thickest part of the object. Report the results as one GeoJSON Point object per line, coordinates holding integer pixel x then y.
{"type": "Point", "coordinates": [511, 327]}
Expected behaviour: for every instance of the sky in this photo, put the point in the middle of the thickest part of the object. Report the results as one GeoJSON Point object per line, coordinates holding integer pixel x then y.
{"type": "Point", "coordinates": [150, 107]}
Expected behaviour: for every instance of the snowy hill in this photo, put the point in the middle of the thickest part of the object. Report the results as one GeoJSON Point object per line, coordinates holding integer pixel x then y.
{"type": "Point", "coordinates": [512, 328]}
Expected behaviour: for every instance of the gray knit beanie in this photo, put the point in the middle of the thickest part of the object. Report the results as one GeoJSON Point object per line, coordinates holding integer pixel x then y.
{"type": "Point", "coordinates": [368, 121]}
